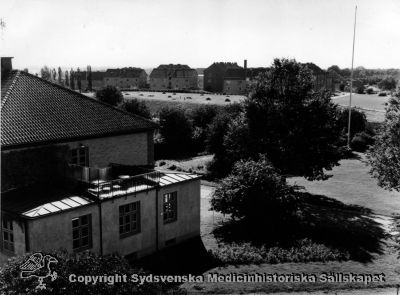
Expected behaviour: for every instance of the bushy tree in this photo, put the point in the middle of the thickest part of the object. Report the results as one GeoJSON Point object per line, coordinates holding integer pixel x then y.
{"type": "Point", "coordinates": [293, 125]}
{"type": "Point", "coordinates": [45, 73]}
{"type": "Point", "coordinates": [137, 107]}
{"type": "Point", "coordinates": [89, 78]}
{"type": "Point", "coordinates": [384, 155]}
{"type": "Point", "coordinates": [389, 83]}
{"type": "Point", "coordinates": [78, 80]}
{"type": "Point", "coordinates": [72, 79]}
{"type": "Point", "coordinates": [81, 264]}
{"type": "Point", "coordinates": [358, 121]}
{"type": "Point", "coordinates": [255, 191]}
{"type": "Point", "coordinates": [360, 89]}
{"type": "Point", "coordinates": [176, 131]}
{"type": "Point", "coordinates": [110, 95]}
{"type": "Point", "coordinates": [201, 117]}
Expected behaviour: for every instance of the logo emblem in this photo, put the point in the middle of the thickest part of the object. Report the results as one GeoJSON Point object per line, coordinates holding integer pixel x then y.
{"type": "Point", "coordinates": [38, 266]}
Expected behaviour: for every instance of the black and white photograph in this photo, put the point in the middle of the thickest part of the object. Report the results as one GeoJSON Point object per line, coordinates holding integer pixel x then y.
{"type": "Point", "coordinates": [200, 147]}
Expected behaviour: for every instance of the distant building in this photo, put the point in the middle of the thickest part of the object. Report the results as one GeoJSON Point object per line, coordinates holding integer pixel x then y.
{"type": "Point", "coordinates": [97, 79]}
{"type": "Point", "coordinates": [176, 77]}
{"type": "Point", "coordinates": [322, 80]}
{"type": "Point", "coordinates": [126, 78]}
{"type": "Point", "coordinates": [223, 77]}
{"type": "Point", "coordinates": [73, 176]}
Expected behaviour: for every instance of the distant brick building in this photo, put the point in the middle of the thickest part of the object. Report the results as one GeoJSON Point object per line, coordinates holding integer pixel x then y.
{"type": "Point", "coordinates": [322, 80]}
{"type": "Point", "coordinates": [126, 78]}
{"type": "Point", "coordinates": [176, 77]}
{"type": "Point", "coordinates": [226, 78]}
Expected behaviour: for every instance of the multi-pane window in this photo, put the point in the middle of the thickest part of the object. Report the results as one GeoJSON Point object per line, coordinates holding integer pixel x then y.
{"type": "Point", "coordinates": [129, 219]}
{"type": "Point", "coordinates": [8, 235]}
{"type": "Point", "coordinates": [80, 156]}
{"type": "Point", "coordinates": [82, 232]}
{"type": "Point", "coordinates": [170, 207]}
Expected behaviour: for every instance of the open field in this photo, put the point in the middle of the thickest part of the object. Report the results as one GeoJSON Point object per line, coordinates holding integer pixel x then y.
{"type": "Point", "coordinates": [350, 184]}
{"type": "Point", "coordinates": [372, 104]}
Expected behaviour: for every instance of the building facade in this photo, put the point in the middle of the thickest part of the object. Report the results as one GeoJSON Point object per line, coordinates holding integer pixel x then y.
{"type": "Point", "coordinates": [126, 78]}
{"type": "Point", "coordinates": [228, 78]}
{"type": "Point", "coordinates": [173, 77]}
{"type": "Point", "coordinates": [76, 175]}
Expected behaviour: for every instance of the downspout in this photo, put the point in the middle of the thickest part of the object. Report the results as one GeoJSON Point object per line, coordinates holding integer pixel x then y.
{"type": "Point", "coordinates": [100, 227]}
{"type": "Point", "coordinates": [157, 219]}
{"type": "Point", "coordinates": [27, 245]}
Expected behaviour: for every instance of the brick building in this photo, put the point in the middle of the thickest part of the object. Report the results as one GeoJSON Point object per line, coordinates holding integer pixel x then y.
{"type": "Point", "coordinates": [225, 77]}
{"type": "Point", "coordinates": [76, 174]}
{"type": "Point", "coordinates": [175, 77]}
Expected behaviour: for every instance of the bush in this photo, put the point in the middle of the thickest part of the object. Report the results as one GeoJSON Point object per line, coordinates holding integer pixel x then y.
{"type": "Point", "coordinates": [370, 90]}
{"type": "Point", "coordinates": [360, 89]}
{"type": "Point", "coordinates": [137, 107]}
{"type": "Point", "coordinates": [176, 131]}
{"type": "Point", "coordinates": [303, 251]}
{"type": "Point", "coordinates": [110, 95]}
{"type": "Point", "coordinates": [358, 121]}
{"type": "Point", "coordinates": [255, 192]}
{"type": "Point", "coordinates": [84, 263]}
{"type": "Point", "coordinates": [361, 141]}
{"type": "Point", "coordinates": [382, 94]}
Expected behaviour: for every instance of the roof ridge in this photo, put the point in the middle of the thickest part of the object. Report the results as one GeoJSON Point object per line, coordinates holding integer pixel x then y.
{"type": "Point", "coordinates": [92, 100]}
{"type": "Point", "coordinates": [9, 90]}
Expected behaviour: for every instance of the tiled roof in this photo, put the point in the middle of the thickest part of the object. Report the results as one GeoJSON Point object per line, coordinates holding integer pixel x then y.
{"type": "Point", "coordinates": [36, 111]}
{"type": "Point", "coordinates": [174, 71]}
{"type": "Point", "coordinates": [125, 73]}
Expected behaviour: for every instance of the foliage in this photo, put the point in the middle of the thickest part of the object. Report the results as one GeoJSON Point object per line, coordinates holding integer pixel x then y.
{"type": "Point", "coordinates": [293, 125]}
{"type": "Point", "coordinates": [110, 95]}
{"type": "Point", "coordinates": [358, 121]}
{"type": "Point", "coordinates": [255, 192]}
{"type": "Point", "coordinates": [304, 250]}
{"type": "Point", "coordinates": [370, 90]}
{"type": "Point", "coordinates": [82, 264]}
{"type": "Point", "coordinates": [360, 89]}
{"type": "Point", "coordinates": [201, 118]}
{"type": "Point", "coordinates": [72, 79]}
{"type": "Point", "coordinates": [175, 130]}
{"type": "Point", "coordinates": [78, 80]}
{"type": "Point", "coordinates": [45, 73]}
{"type": "Point", "coordinates": [389, 83]}
{"type": "Point", "coordinates": [66, 79]}
{"type": "Point", "coordinates": [89, 78]}
{"type": "Point", "coordinates": [384, 155]}
{"type": "Point", "coordinates": [361, 141]}
{"type": "Point", "coordinates": [137, 107]}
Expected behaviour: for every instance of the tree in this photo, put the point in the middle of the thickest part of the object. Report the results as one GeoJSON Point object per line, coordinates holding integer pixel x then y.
{"type": "Point", "coordinates": [360, 89]}
{"type": "Point", "coordinates": [256, 192]}
{"type": "Point", "coordinates": [358, 121]}
{"type": "Point", "coordinates": [45, 73]}
{"type": "Point", "coordinates": [79, 82]}
{"type": "Point", "coordinates": [294, 126]}
{"type": "Point", "coordinates": [137, 107]}
{"type": "Point", "coordinates": [66, 79]}
{"type": "Point", "coordinates": [202, 116]}
{"type": "Point", "coordinates": [80, 264]}
{"type": "Point", "coordinates": [59, 76]}
{"type": "Point", "coordinates": [389, 83]}
{"type": "Point", "coordinates": [384, 155]}
{"type": "Point", "coordinates": [72, 79]}
{"type": "Point", "coordinates": [176, 131]}
{"type": "Point", "coordinates": [110, 95]}
{"type": "Point", "coordinates": [89, 78]}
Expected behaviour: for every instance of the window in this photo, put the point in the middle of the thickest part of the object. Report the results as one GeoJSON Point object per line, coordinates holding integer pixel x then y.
{"type": "Point", "coordinates": [129, 219]}
{"type": "Point", "coordinates": [80, 156]}
{"type": "Point", "coordinates": [8, 235]}
{"type": "Point", "coordinates": [170, 207]}
{"type": "Point", "coordinates": [82, 233]}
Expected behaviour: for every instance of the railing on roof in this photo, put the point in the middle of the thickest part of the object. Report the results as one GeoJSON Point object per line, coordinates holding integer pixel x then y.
{"type": "Point", "coordinates": [115, 180]}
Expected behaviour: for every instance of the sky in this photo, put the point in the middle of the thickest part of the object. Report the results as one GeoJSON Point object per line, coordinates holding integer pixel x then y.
{"type": "Point", "coordinates": [146, 33]}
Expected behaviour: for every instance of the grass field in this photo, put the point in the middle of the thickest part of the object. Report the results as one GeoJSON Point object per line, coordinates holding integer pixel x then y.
{"type": "Point", "coordinates": [350, 184]}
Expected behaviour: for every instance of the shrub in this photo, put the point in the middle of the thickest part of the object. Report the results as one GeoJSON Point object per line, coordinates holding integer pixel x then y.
{"type": "Point", "coordinates": [137, 107]}
{"type": "Point", "coordinates": [227, 100]}
{"type": "Point", "coordinates": [382, 94]}
{"type": "Point", "coordinates": [255, 191]}
{"type": "Point", "coordinates": [208, 98]}
{"type": "Point", "coordinates": [361, 141]}
{"type": "Point", "coordinates": [370, 90]}
{"type": "Point", "coordinates": [304, 250]}
{"type": "Point", "coordinates": [84, 263]}
{"type": "Point", "coordinates": [358, 121]}
{"type": "Point", "coordinates": [110, 95]}
{"type": "Point", "coordinates": [176, 131]}
{"type": "Point", "coordinates": [360, 89]}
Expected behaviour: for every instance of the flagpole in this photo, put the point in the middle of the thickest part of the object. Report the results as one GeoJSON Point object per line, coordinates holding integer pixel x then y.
{"type": "Point", "coordinates": [351, 79]}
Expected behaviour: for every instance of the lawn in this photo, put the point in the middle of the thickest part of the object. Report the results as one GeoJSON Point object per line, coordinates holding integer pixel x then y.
{"type": "Point", "coordinates": [372, 104]}
{"type": "Point", "coordinates": [350, 188]}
